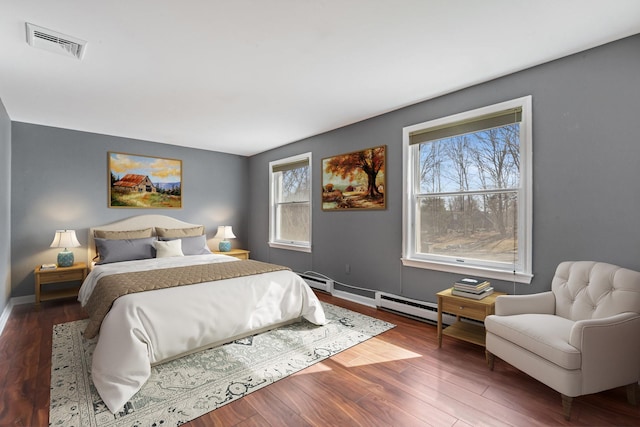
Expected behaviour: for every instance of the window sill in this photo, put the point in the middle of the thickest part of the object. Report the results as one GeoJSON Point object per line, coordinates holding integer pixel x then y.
{"type": "Point", "coordinates": [290, 247]}
{"type": "Point", "coordinates": [466, 270]}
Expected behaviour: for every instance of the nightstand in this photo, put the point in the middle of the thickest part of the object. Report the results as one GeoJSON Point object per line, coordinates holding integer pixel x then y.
{"type": "Point", "coordinates": [238, 253]}
{"type": "Point", "coordinates": [465, 307]}
{"type": "Point", "coordinates": [76, 273]}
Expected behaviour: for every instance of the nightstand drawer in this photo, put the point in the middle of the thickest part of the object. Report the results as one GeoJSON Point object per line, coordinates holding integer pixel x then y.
{"type": "Point", "coordinates": [464, 309]}
{"type": "Point", "coordinates": [61, 276]}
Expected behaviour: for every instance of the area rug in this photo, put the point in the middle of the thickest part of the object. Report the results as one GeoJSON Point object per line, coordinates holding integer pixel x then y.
{"type": "Point", "coordinates": [184, 389]}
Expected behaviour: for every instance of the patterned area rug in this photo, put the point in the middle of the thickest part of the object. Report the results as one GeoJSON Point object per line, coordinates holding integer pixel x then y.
{"type": "Point", "coordinates": [184, 389]}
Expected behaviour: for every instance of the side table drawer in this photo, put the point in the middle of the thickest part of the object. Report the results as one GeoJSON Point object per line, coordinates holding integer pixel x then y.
{"type": "Point", "coordinates": [62, 276]}
{"type": "Point", "coordinates": [461, 308]}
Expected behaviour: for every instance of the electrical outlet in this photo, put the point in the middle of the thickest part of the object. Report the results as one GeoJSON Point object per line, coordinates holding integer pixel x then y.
{"type": "Point", "coordinates": [347, 268]}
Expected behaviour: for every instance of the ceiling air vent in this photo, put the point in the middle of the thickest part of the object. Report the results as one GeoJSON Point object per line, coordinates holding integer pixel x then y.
{"type": "Point", "coordinates": [53, 41]}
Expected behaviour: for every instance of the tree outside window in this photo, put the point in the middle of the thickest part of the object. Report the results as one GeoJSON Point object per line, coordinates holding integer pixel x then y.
{"type": "Point", "coordinates": [468, 197]}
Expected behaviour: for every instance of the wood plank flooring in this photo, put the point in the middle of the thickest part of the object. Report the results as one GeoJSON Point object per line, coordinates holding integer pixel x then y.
{"type": "Point", "coordinates": [399, 378]}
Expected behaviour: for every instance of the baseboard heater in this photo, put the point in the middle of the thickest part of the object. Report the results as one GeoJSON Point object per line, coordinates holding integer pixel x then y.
{"type": "Point", "coordinates": [419, 310]}
{"type": "Point", "coordinates": [320, 283]}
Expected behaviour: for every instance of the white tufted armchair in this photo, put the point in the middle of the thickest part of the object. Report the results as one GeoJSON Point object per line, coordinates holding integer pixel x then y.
{"type": "Point", "coordinates": [581, 337]}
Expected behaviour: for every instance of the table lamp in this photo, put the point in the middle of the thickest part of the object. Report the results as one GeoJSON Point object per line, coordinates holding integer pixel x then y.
{"type": "Point", "coordinates": [224, 232]}
{"type": "Point", "coordinates": [65, 239]}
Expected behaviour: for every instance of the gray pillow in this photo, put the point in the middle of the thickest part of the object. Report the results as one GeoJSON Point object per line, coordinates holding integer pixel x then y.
{"type": "Point", "coordinates": [195, 245]}
{"type": "Point", "coordinates": [124, 249]}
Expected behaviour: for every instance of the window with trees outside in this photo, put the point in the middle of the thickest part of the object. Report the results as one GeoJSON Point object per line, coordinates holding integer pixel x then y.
{"type": "Point", "coordinates": [467, 206]}
{"type": "Point", "coordinates": [290, 203]}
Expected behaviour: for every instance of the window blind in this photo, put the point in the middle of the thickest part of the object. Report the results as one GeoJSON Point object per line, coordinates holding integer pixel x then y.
{"type": "Point", "coordinates": [283, 167]}
{"type": "Point", "coordinates": [475, 124]}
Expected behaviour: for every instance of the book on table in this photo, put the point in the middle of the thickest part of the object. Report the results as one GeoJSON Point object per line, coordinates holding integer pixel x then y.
{"type": "Point", "coordinates": [471, 281]}
{"type": "Point", "coordinates": [485, 293]}
{"type": "Point", "coordinates": [476, 290]}
{"type": "Point", "coordinates": [469, 284]}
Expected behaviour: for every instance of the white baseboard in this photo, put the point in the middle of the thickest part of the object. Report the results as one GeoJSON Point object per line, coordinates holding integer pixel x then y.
{"type": "Point", "coordinates": [4, 317]}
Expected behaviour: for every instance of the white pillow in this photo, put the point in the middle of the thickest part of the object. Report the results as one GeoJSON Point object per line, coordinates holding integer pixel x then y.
{"type": "Point", "coordinates": [169, 248]}
{"type": "Point", "coordinates": [195, 245]}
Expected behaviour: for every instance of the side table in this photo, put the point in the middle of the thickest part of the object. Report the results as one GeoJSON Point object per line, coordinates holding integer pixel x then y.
{"type": "Point", "coordinates": [465, 307]}
{"type": "Point", "coordinates": [76, 273]}
{"type": "Point", "coordinates": [238, 253]}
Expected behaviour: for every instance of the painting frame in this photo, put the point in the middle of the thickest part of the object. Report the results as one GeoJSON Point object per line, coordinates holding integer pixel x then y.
{"type": "Point", "coordinates": [137, 181]}
{"type": "Point", "coordinates": [355, 180]}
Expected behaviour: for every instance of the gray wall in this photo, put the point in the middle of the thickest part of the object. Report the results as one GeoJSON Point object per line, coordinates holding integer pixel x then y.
{"type": "Point", "coordinates": [59, 180]}
{"type": "Point", "coordinates": [5, 207]}
{"type": "Point", "coordinates": [586, 171]}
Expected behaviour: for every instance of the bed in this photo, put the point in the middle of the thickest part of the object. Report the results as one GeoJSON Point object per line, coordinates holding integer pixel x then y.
{"type": "Point", "coordinates": [144, 328]}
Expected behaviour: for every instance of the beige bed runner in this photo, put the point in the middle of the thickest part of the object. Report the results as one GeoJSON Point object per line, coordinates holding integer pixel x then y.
{"type": "Point", "coordinates": [109, 288]}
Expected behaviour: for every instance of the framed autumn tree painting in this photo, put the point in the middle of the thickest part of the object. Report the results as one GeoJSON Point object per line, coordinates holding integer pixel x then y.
{"type": "Point", "coordinates": [354, 180]}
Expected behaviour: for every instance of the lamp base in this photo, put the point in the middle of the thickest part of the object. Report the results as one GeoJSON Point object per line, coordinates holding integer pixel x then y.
{"type": "Point", "coordinates": [65, 259]}
{"type": "Point", "coordinates": [224, 246]}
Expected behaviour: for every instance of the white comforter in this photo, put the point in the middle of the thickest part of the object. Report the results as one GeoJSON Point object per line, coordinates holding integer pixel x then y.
{"type": "Point", "coordinates": [150, 327]}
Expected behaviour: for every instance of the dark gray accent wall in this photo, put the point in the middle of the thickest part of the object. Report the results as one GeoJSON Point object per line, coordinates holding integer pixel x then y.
{"type": "Point", "coordinates": [586, 177]}
{"type": "Point", "coordinates": [5, 207]}
{"type": "Point", "coordinates": [59, 180]}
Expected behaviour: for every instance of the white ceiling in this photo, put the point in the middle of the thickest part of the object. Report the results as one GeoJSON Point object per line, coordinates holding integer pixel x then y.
{"type": "Point", "coordinates": [245, 76]}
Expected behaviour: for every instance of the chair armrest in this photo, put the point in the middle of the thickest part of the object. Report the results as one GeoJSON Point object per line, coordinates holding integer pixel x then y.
{"type": "Point", "coordinates": [610, 351]}
{"type": "Point", "coordinates": [542, 303]}
{"type": "Point", "coordinates": [585, 333]}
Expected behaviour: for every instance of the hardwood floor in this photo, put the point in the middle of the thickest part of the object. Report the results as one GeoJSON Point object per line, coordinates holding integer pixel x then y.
{"type": "Point", "coordinates": [399, 378]}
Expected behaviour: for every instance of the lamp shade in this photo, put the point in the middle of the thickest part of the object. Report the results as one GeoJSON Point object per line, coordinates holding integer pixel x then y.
{"type": "Point", "coordinates": [224, 232]}
{"type": "Point", "coordinates": [65, 239]}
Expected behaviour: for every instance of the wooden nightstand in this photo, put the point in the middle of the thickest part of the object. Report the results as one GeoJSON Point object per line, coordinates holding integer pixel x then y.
{"type": "Point", "coordinates": [465, 307]}
{"type": "Point", "coordinates": [76, 273]}
{"type": "Point", "coordinates": [238, 253]}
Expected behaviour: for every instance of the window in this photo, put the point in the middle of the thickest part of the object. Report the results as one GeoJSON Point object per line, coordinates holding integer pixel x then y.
{"type": "Point", "coordinates": [290, 202]}
{"type": "Point", "coordinates": [467, 206]}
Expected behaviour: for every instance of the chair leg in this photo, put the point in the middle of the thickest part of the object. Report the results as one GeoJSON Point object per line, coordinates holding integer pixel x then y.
{"type": "Point", "coordinates": [490, 359]}
{"type": "Point", "coordinates": [632, 394]}
{"type": "Point", "coordinates": [566, 407]}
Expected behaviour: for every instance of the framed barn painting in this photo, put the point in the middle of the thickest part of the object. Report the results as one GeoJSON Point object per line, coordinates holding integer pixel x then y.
{"type": "Point", "coordinates": [354, 180]}
{"type": "Point", "coordinates": [144, 182]}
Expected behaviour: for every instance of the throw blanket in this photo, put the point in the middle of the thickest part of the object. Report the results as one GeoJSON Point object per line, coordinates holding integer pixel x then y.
{"type": "Point", "coordinates": [111, 287]}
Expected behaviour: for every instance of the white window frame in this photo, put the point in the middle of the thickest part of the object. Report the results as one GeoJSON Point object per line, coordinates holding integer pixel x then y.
{"type": "Point", "coordinates": [301, 246]}
{"type": "Point", "coordinates": [521, 273]}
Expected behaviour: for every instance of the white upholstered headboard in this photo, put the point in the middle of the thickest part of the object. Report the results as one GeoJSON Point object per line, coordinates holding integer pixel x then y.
{"type": "Point", "coordinates": [135, 223]}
